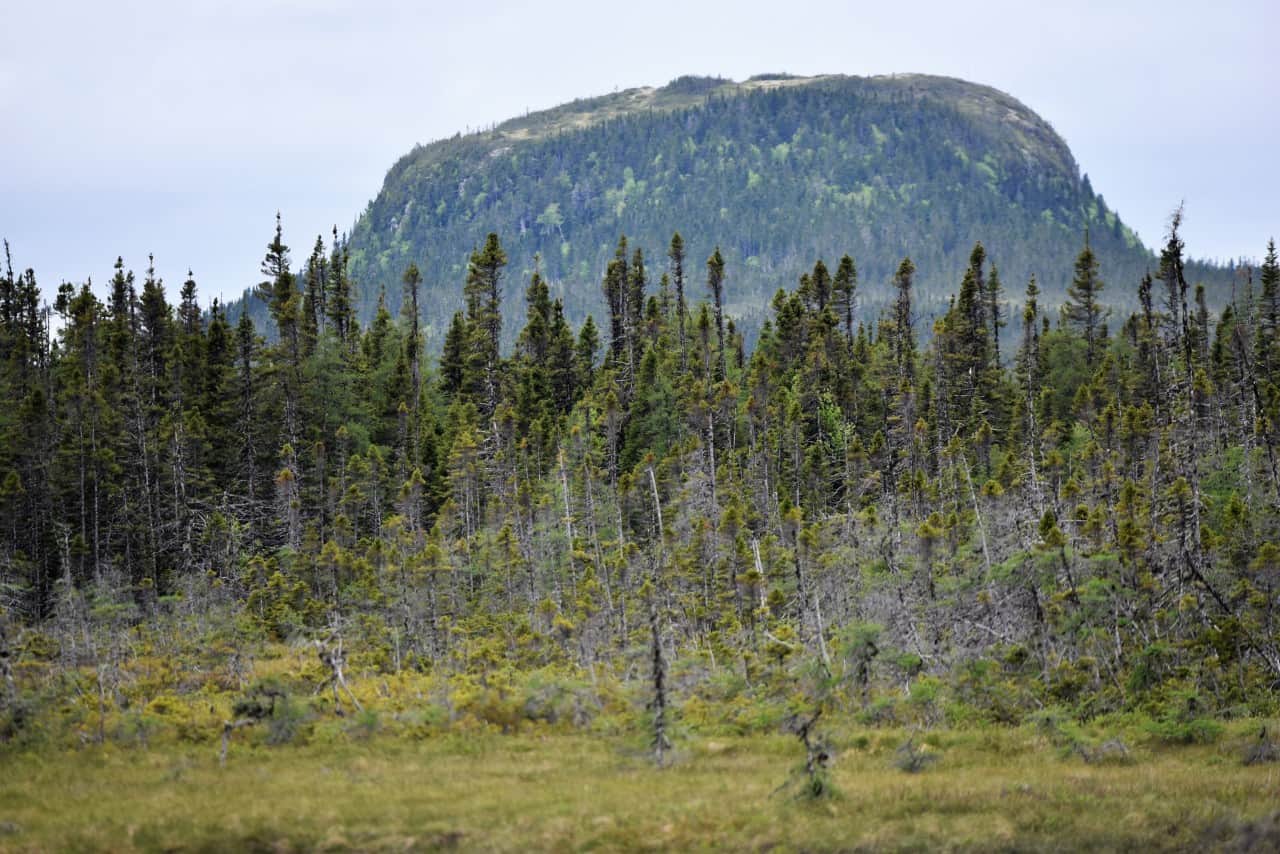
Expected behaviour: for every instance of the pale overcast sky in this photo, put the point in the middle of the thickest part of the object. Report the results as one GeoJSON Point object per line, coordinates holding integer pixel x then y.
{"type": "Point", "coordinates": [180, 128]}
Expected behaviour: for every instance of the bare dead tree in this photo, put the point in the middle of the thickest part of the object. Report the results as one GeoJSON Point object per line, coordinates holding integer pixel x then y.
{"type": "Point", "coordinates": [332, 656]}
{"type": "Point", "coordinates": [814, 774]}
{"type": "Point", "coordinates": [661, 743]}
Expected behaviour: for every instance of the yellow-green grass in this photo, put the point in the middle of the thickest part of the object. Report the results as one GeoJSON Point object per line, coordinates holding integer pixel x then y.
{"type": "Point", "coordinates": [990, 790]}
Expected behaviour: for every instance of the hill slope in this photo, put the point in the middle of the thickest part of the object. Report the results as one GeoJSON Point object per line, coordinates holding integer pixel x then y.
{"type": "Point", "coordinates": [777, 170]}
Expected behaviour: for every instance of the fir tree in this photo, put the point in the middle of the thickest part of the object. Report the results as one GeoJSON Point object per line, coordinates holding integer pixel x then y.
{"type": "Point", "coordinates": [844, 293]}
{"type": "Point", "coordinates": [1083, 308]}
{"type": "Point", "coordinates": [1269, 307]}
{"type": "Point", "coordinates": [412, 284]}
{"type": "Point", "coordinates": [676, 255]}
{"type": "Point", "coordinates": [483, 293]}
{"type": "Point", "coordinates": [337, 302]}
{"type": "Point", "coordinates": [715, 284]}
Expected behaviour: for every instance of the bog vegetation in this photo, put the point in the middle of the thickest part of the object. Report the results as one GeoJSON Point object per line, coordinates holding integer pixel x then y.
{"type": "Point", "coordinates": [991, 790]}
{"type": "Point", "coordinates": [643, 528]}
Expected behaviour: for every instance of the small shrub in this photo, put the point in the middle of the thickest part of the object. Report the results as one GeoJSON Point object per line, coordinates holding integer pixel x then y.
{"type": "Point", "coordinates": [138, 726]}
{"type": "Point", "coordinates": [1262, 751]}
{"type": "Point", "coordinates": [425, 721]}
{"type": "Point", "coordinates": [259, 702]}
{"type": "Point", "coordinates": [1176, 730]}
{"type": "Point", "coordinates": [883, 711]}
{"type": "Point", "coordinates": [1053, 723]}
{"type": "Point", "coordinates": [365, 724]}
{"type": "Point", "coordinates": [923, 701]}
{"type": "Point", "coordinates": [288, 722]}
{"type": "Point", "coordinates": [912, 759]}
{"type": "Point", "coordinates": [1183, 723]}
{"type": "Point", "coordinates": [1111, 752]}
{"type": "Point", "coordinates": [555, 701]}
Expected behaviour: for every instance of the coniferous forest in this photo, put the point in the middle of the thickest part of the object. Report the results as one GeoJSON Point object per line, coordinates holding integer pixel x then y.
{"type": "Point", "coordinates": [776, 172]}
{"type": "Point", "coordinates": [218, 532]}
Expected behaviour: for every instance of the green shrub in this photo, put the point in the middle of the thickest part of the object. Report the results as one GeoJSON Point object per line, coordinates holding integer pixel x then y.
{"type": "Point", "coordinates": [1175, 730]}
{"type": "Point", "coordinates": [365, 724]}
{"type": "Point", "coordinates": [1184, 723]}
{"type": "Point", "coordinates": [881, 712]}
{"type": "Point", "coordinates": [553, 699]}
{"type": "Point", "coordinates": [288, 723]}
{"type": "Point", "coordinates": [923, 701]}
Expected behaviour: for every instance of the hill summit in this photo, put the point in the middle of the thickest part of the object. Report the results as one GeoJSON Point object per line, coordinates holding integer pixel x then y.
{"type": "Point", "coordinates": [777, 171]}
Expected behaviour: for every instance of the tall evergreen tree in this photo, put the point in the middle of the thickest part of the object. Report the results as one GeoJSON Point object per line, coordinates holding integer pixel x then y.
{"type": "Point", "coordinates": [844, 295]}
{"type": "Point", "coordinates": [715, 284]}
{"type": "Point", "coordinates": [1269, 307]}
{"type": "Point", "coordinates": [1083, 308]}
{"type": "Point", "coordinates": [453, 356]}
{"type": "Point", "coordinates": [280, 292]}
{"type": "Point", "coordinates": [615, 292]}
{"type": "Point", "coordinates": [483, 294]}
{"type": "Point", "coordinates": [676, 255]}
{"type": "Point", "coordinates": [995, 297]}
{"type": "Point", "coordinates": [903, 342]}
{"type": "Point", "coordinates": [314, 296]}
{"type": "Point", "coordinates": [637, 282]}
{"type": "Point", "coordinates": [412, 284]}
{"type": "Point", "coordinates": [337, 302]}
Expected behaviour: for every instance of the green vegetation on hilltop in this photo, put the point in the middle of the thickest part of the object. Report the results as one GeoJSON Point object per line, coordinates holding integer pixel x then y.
{"type": "Point", "coordinates": [776, 171]}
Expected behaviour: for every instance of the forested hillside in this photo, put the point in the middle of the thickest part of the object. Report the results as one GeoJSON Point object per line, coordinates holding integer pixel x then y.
{"type": "Point", "coordinates": [959, 531]}
{"type": "Point", "coordinates": [776, 172]}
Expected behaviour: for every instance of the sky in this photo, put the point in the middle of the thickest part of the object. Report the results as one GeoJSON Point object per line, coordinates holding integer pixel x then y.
{"type": "Point", "coordinates": [179, 129]}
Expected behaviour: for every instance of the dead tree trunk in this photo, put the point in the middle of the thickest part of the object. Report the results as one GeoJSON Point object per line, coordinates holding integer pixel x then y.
{"type": "Point", "coordinates": [333, 658]}
{"type": "Point", "coordinates": [660, 741]}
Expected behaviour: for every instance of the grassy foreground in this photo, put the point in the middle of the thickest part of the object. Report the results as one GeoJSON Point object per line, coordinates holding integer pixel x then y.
{"type": "Point", "coordinates": [1001, 790]}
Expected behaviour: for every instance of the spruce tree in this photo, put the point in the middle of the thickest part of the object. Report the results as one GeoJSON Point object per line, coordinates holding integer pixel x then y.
{"type": "Point", "coordinates": [453, 356]}
{"type": "Point", "coordinates": [995, 296]}
{"type": "Point", "coordinates": [313, 298]}
{"type": "Point", "coordinates": [903, 343]}
{"type": "Point", "coordinates": [1083, 308]}
{"type": "Point", "coordinates": [1269, 307]}
{"type": "Point", "coordinates": [637, 282]}
{"type": "Point", "coordinates": [615, 292]}
{"type": "Point", "coordinates": [584, 353]}
{"type": "Point", "coordinates": [844, 290]}
{"type": "Point", "coordinates": [483, 295]}
{"type": "Point", "coordinates": [250, 445]}
{"type": "Point", "coordinates": [412, 284]}
{"type": "Point", "coordinates": [676, 255]}
{"type": "Point", "coordinates": [282, 298]}
{"type": "Point", "coordinates": [715, 284]}
{"type": "Point", "coordinates": [337, 302]}
{"type": "Point", "coordinates": [217, 399]}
